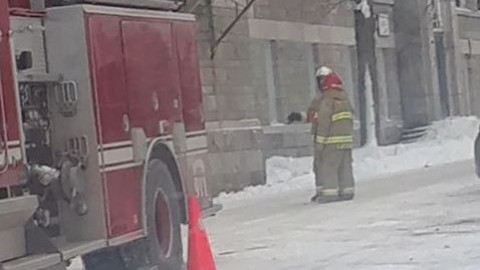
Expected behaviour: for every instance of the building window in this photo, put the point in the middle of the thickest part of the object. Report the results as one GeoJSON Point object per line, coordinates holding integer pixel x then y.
{"type": "Point", "coordinates": [290, 78]}
{"type": "Point", "coordinates": [458, 3]}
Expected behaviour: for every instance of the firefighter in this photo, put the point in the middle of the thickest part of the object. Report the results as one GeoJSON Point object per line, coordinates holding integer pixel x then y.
{"type": "Point", "coordinates": [332, 127]}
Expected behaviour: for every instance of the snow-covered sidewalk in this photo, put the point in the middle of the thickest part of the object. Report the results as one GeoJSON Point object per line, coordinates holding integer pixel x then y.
{"type": "Point", "coordinates": [424, 219]}
{"type": "Point", "coordinates": [447, 141]}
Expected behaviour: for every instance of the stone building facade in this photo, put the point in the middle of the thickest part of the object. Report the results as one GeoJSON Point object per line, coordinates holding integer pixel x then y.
{"type": "Point", "coordinates": [263, 68]}
{"type": "Point", "coordinates": [449, 32]}
{"type": "Point", "coordinates": [416, 61]}
{"type": "Point", "coordinates": [261, 71]}
{"type": "Point", "coordinates": [461, 28]}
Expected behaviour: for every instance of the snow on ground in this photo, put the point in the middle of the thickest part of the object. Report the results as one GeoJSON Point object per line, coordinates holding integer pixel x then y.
{"type": "Point", "coordinates": [422, 219]}
{"type": "Point", "coordinates": [447, 141]}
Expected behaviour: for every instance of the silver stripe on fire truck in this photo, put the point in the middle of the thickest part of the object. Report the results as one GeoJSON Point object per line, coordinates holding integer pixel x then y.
{"type": "Point", "coordinates": [196, 133]}
{"type": "Point", "coordinates": [116, 156]}
{"type": "Point", "coordinates": [116, 145]}
{"type": "Point", "coordinates": [190, 135]}
{"type": "Point", "coordinates": [121, 166]}
{"type": "Point", "coordinates": [129, 237]}
{"type": "Point", "coordinates": [120, 155]}
{"type": "Point", "coordinates": [13, 143]}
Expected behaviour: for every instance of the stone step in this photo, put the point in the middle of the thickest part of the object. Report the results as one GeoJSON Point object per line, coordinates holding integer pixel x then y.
{"type": "Point", "coordinates": [414, 134]}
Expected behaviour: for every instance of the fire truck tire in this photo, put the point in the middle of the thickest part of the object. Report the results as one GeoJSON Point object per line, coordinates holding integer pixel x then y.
{"type": "Point", "coordinates": [162, 248]}
{"type": "Point", "coordinates": [163, 218]}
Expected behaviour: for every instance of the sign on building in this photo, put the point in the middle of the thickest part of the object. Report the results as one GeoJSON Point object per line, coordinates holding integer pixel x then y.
{"type": "Point", "coordinates": [383, 25]}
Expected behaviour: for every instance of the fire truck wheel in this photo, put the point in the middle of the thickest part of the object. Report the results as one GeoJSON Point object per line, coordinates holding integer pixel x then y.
{"type": "Point", "coordinates": [163, 218]}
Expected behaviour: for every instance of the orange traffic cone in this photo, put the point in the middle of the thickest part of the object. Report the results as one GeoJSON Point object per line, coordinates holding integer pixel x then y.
{"type": "Point", "coordinates": [199, 252]}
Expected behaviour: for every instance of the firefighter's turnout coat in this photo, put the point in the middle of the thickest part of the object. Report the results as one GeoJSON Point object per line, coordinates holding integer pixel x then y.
{"type": "Point", "coordinates": [332, 127]}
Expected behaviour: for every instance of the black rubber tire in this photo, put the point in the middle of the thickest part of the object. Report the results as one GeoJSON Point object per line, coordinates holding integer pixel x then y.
{"type": "Point", "coordinates": [146, 253]}
{"type": "Point", "coordinates": [160, 179]}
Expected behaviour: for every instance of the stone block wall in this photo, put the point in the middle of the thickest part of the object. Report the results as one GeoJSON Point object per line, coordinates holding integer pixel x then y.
{"type": "Point", "coordinates": [297, 37]}
{"type": "Point", "coordinates": [329, 13]}
{"type": "Point", "coordinates": [260, 72]}
{"type": "Point", "coordinates": [290, 141]}
{"type": "Point", "coordinates": [467, 55]}
{"type": "Point", "coordinates": [231, 101]}
{"type": "Point", "coordinates": [264, 69]}
{"type": "Point", "coordinates": [236, 158]}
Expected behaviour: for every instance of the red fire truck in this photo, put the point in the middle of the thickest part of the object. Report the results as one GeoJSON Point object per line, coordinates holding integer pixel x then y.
{"type": "Point", "coordinates": [102, 134]}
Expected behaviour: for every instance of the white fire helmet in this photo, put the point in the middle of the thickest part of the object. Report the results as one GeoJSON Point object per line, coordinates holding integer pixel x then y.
{"type": "Point", "coordinates": [324, 71]}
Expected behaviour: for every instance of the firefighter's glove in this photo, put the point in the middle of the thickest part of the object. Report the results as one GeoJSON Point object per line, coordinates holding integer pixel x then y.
{"type": "Point", "coordinates": [294, 117]}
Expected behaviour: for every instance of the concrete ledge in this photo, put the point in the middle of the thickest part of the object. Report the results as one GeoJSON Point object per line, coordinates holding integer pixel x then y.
{"type": "Point", "coordinates": [235, 155]}
{"type": "Point", "coordinates": [233, 125]}
{"type": "Point", "coordinates": [385, 2]}
{"type": "Point", "coordinates": [391, 132]}
{"type": "Point", "coordinates": [234, 140]}
{"type": "Point", "coordinates": [287, 140]}
{"type": "Point", "coordinates": [293, 128]}
{"type": "Point", "coordinates": [301, 32]}
{"type": "Point", "coordinates": [470, 46]}
{"type": "Point", "coordinates": [465, 12]}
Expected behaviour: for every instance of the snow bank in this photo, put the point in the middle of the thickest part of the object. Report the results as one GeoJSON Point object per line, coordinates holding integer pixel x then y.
{"type": "Point", "coordinates": [447, 141]}
{"type": "Point", "coordinates": [283, 174]}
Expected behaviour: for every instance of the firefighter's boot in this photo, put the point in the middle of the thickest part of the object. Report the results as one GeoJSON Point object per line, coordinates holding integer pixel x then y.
{"type": "Point", "coordinates": [347, 196]}
{"type": "Point", "coordinates": [328, 196]}
{"type": "Point", "coordinates": [318, 194]}
{"type": "Point", "coordinates": [326, 199]}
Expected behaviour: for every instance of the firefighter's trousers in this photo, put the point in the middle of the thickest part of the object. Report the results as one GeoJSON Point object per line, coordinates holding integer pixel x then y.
{"type": "Point", "coordinates": [333, 171]}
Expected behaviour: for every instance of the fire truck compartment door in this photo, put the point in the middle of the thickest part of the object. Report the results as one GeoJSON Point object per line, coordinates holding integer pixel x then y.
{"type": "Point", "coordinates": [152, 76]}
